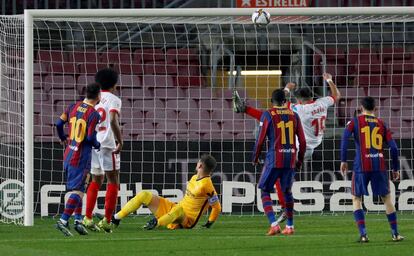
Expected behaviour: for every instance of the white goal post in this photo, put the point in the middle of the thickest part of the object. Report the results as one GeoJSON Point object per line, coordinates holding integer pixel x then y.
{"type": "Point", "coordinates": [228, 16]}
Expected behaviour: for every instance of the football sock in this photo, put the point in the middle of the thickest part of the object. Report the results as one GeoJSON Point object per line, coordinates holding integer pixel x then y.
{"type": "Point", "coordinates": [110, 200]}
{"type": "Point", "coordinates": [392, 219]}
{"type": "Point", "coordinates": [78, 211]}
{"type": "Point", "coordinates": [142, 198]}
{"type": "Point", "coordinates": [360, 221]}
{"type": "Point", "coordinates": [173, 215]}
{"type": "Point", "coordinates": [289, 208]}
{"type": "Point", "coordinates": [70, 206]}
{"type": "Point", "coordinates": [268, 207]}
{"type": "Point", "coordinates": [91, 196]}
{"type": "Point", "coordinates": [280, 194]}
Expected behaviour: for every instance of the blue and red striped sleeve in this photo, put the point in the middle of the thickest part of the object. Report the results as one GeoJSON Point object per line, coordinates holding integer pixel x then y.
{"type": "Point", "coordinates": [395, 162]}
{"type": "Point", "coordinates": [60, 122]}
{"type": "Point", "coordinates": [93, 120]}
{"type": "Point", "coordinates": [345, 140]}
{"type": "Point", "coordinates": [254, 112]}
{"type": "Point", "coordinates": [301, 137]}
{"type": "Point", "coordinates": [264, 125]}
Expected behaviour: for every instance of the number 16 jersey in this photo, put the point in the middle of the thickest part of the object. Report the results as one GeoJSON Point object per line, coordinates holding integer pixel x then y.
{"type": "Point", "coordinates": [109, 103]}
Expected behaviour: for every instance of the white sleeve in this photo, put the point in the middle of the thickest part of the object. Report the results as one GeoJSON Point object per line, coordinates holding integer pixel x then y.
{"type": "Point", "coordinates": [327, 101]}
{"type": "Point", "coordinates": [115, 106]}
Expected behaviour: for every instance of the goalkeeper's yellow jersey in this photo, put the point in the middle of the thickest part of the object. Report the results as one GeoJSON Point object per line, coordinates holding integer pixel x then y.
{"type": "Point", "coordinates": [199, 195]}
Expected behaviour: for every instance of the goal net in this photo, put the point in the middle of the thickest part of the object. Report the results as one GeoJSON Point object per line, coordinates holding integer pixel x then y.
{"type": "Point", "coordinates": [177, 74]}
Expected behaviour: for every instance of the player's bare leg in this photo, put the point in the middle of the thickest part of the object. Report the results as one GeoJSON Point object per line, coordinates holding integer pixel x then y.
{"type": "Point", "coordinates": [92, 195]}
{"type": "Point", "coordinates": [392, 218]}
{"type": "Point", "coordinates": [110, 199]}
{"type": "Point", "coordinates": [359, 216]}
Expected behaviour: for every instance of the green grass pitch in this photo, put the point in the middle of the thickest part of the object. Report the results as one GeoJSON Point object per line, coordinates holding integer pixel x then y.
{"type": "Point", "coordinates": [231, 235]}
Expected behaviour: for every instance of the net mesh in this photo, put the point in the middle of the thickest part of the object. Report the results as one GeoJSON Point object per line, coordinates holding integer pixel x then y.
{"type": "Point", "coordinates": [11, 120]}
{"type": "Point", "coordinates": [176, 81]}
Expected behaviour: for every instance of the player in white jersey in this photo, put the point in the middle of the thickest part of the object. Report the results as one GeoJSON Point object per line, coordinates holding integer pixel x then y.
{"type": "Point", "coordinates": [312, 113]}
{"type": "Point", "coordinates": [106, 162]}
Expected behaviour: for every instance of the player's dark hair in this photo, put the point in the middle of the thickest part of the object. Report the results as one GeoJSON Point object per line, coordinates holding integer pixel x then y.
{"type": "Point", "coordinates": [304, 93]}
{"type": "Point", "coordinates": [209, 162]}
{"type": "Point", "coordinates": [368, 103]}
{"type": "Point", "coordinates": [278, 97]}
{"type": "Point", "coordinates": [107, 78]}
{"type": "Point", "coordinates": [92, 91]}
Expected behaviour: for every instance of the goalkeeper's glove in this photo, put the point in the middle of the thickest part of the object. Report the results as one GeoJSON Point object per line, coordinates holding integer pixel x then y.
{"type": "Point", "coordinates": [208, 224]}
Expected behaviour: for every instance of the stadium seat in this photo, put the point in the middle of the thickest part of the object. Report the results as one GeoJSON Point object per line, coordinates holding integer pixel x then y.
{"type": "Point", "coordinates": [170, 127]}
{"type": "Point", "coordinates": [193, 115]}
{"type": "Point", "coordinates": [400, 79]}
{"type": "Point", "coordinates": [148, 105]}
{"type": "Point", "coordinates": [129, 115]}
{"type": "Point", "coordinates": [40, 95]}
{"type": "Point", "coordinates": [91, 68]}
{"type": "Point", "coordinates": [58, 94]}
{"type": "Point", "coordinates": [157, 81]}
{"type": "Point", "coordinates": [118, 56]}
{"type": "Point", "coordinates": [157, 115]}
{"type": "Point", "coordinates": [381, 92]}
{"type": "Point", "coordinates": [225, 115]}
{"type": "Point", "coordinates": [129, 69]}
{"type": "Point", "coordinates": [335, 55]}
{"type": "Point", "coordinates": [204, 126]}
{"type": "Point", "coordinates": [392, 54]}
{"type": "Point", "coordinates": [134, 93]}
{"type": "Point", "coordinates": [181, 104]}
{"type": "Point", "coordinates": [407, 91]}
{"type": "Point", "coordinates": [200, 93]}
{"type": "Point", "coordinates": [213, 104]}
{"type": "Point", "coordinates": [228, 94]}
{"type": "Point", "coordinates": [40, 69]}
{"type": "Point", "coordinates": [83, 81]}
{"type": "Point", "coordinates": [168, 93]}
{"type": "Point", "coordinates": [59, 82]}
{"type": "Point", "coordinates": [182, 55]}
{"type": "Point", "coordinates": [149, 55]}
{"type": "Point", "coordinates": [401, 67]}
{"type": "Point", "coordinates": [126, 81]}
{"type": "Point", "coordinates": [159, 68]}
{"type": "Point", "coordinates": [369, 80]}
{"type": "Point", "coordinates": [351, 92]}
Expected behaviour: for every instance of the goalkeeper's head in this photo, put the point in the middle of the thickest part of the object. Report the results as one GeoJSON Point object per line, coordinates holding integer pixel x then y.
{"type": "Point", "coordinates": [107, 78]}
{"type": "Point", "coordinates": [206, 165]}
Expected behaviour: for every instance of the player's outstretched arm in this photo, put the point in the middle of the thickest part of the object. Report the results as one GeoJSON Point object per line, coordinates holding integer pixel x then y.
{"type": "Point", "coordinates": [264, 124]}
{"type": "Point", "coordinates": [302, 143]}
{"type": "Point", "coordinates": [344, 147]}
{"type": "Point", "coordinates": [335, 93]}
{"type": "Point", "coordinates": [117, 131]}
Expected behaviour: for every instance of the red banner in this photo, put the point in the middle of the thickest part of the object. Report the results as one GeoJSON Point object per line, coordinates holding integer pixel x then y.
{"type": "Point", "coordinates": [272, 3]}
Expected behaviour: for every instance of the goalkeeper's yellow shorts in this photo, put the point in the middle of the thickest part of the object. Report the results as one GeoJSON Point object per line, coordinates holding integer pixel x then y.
{"type": "Point", "coordinates": [164, 207]}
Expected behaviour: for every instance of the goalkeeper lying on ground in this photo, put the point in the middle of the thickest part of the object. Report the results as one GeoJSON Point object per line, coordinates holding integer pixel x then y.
{"type": "Point", "coordinates": [200, 194]}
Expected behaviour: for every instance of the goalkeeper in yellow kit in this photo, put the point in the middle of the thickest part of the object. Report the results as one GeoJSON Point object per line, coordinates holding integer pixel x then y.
{"type": "Point", "coordinates": [199, 196]}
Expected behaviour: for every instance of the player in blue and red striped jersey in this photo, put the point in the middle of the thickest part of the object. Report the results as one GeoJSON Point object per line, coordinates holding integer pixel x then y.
{"type": "Point", "coordinates": [281, 126]}
{"type": "Point", "coordinates": [82, 118]}
{"type": "Point", "coordinates": [370, 133]}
